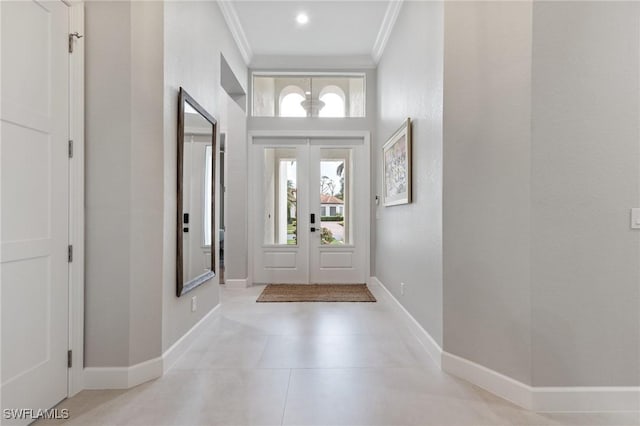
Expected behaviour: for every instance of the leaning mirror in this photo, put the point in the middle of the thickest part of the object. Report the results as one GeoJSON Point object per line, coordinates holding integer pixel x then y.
{"type": "Point", "coordinates": [196, 194]}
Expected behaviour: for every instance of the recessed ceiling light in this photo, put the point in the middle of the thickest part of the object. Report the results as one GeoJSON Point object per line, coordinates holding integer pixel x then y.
{"type": "Point", "coordinates": [302, 18]}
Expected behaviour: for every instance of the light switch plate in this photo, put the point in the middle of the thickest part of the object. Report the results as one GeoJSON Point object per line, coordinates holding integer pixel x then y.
{"type": "Point", "coordinates": [635, 218]}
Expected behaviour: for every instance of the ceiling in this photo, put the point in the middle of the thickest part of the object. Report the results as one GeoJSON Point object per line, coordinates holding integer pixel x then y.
{"type": "Point", "coordinates": [335, 28]}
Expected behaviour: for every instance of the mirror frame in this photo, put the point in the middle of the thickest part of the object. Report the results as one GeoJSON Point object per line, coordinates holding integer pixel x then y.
{"type": "Point", "coordinates": [182, 287]}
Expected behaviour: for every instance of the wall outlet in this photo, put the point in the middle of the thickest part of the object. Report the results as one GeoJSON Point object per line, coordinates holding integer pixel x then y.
{"type": "Point", "coordinates": [402, 289]}
{"type": "Point", "coordinates": [194, 303]}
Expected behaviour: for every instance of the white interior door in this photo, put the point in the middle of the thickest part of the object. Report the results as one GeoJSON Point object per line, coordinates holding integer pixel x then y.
{"type": "Point", "coordinates": [310, 210]}
{"type": "Point", "coordinates": [34, 204]}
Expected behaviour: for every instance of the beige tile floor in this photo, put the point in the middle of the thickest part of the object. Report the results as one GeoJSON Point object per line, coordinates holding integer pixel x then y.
{"type": "Point", "coordinates": [308, 364]}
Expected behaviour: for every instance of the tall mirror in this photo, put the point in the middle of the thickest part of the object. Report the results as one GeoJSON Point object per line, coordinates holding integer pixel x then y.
{"type": "Point", "coordinates": [196, 194]}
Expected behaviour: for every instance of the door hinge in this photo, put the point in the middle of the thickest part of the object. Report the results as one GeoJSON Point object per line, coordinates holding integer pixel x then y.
{"type": "Point", "coordinates": [69, 358]}
{"type": "Point", "coordinates": [71, 37]}
{"type": "Point", "coordinates": [70, 254]}
{"type": "Point", "coordinates": [70, 149]}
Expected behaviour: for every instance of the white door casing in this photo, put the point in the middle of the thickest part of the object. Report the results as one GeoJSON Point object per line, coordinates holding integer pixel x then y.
{"type": "Point", "coordinates": [34, 193]}
{"type": "Point", "coordinates": [309, 261]}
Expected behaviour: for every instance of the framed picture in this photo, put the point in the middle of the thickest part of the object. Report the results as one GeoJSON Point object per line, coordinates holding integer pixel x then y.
{"type": "Point", "coordinates": [396, 167]}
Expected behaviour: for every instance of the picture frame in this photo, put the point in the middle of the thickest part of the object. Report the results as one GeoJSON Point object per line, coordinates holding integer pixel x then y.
{"type": "Point", "coordinates": [396, 167]}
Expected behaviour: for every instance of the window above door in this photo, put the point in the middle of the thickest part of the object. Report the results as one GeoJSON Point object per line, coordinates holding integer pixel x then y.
{"type": "Point", "coordinates": [305, 95]}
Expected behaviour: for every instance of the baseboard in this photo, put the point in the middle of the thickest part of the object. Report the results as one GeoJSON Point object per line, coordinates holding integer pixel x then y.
{"type": "Point", "coordinates": [565, 399]}
{"type": "Point", "coordinates": [534, 398]}
{"type": "Point", "coordinates": [235, 283]}
{"type": "Point", "coordinates": [127, 377]}
{"type": "Point", "coordinates": [586, 399]}
{"type": "Point", "coordinates": [171, 355]}
{"type": "Point", "coordinates": [488, 379]}
{"type": "Point", "coordinates": [430, 345]}
{"type": "Point", "coordinates": [122, 377]}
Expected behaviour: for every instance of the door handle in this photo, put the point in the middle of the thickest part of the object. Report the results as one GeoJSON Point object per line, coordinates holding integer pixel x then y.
{"type": "Point", "coordinates": [313, 218]}
{"type": "Point", "coordinates": [313, 229]}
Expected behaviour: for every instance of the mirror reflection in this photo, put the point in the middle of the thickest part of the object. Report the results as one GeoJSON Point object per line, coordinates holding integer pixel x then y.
{"type": "Point", "coordinates": [196, 218]}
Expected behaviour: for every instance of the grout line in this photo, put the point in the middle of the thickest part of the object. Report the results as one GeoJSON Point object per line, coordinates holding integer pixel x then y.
{"type": "Point", "coordinates": [286, 398]}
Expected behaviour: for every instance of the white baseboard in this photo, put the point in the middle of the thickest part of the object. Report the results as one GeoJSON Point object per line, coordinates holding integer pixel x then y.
{"type": "Point", "coordinates": [430, 345]}
{"type": "Point", "coordinates": [235, 283]}
{"type": "Point", "coordinates": [171, 355]}
{"type": "Point", "coordinates": [535, 398]}
{"type": "Point", "coordinates": [496, 383]}
{"type": "Point", "coordinates": [128, 377]}
{"type": "Point", "coordinates": [544, 399]}
{"type": "Point", "coordinates": [122, 377]}
{"type": "Point", "coordinates": [586, 399]}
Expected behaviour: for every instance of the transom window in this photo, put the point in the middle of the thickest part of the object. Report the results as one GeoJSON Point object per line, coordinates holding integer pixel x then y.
{"type": "Point", "coordinates": [297, 95]}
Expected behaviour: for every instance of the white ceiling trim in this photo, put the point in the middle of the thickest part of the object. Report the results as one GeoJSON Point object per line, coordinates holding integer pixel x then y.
{"type": "Point", "coordinates": [233, 22]}
{"type": "Point", "coordinates": [389, 20]}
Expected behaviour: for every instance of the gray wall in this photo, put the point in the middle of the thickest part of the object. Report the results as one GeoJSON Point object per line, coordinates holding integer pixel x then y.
{"type": "Point", "coordinates": [585, 177]}
{"type": "Point", "coordinates": [195, 34]}
{"type": "Point", "coordinates": [123, 168]}
{"type": "Point", "coordinates": [487, 140]}
{"type": "Point", "coordinates": [234, 125]}
{"type": "Point", "coordinates": [138, 54]}
{"type": "Point", "coordinates": [541, 277]}
{"type": "Point", "coordinates": [409, 237]}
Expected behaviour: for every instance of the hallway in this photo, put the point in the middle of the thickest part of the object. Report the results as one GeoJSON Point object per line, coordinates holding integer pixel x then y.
{"type": "Point", "coordinates": [308, 364]}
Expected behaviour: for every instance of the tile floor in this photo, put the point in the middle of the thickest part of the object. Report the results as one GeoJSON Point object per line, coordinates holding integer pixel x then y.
{"type": "Point", "coordinates": [308, 364]}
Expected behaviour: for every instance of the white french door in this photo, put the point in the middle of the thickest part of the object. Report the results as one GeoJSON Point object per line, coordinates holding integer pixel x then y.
{"type": "Point", "coordinates": [310, 210]}
{"type": "Point", "coordinates": [34, 120]}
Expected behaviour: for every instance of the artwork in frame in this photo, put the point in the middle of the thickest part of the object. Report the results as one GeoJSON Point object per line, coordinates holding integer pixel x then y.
{"type": "Point", "coordinates": [396, 167]}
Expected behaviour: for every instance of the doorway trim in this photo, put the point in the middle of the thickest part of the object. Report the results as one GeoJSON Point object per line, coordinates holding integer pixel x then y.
{"type": "Point", "coordinates": [312, 134]}
{"type": "Point", "coordinates": [75, 376]}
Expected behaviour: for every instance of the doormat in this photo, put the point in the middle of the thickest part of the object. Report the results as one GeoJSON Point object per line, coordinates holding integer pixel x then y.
{"type": "Point", "coordinates": [316, 293]}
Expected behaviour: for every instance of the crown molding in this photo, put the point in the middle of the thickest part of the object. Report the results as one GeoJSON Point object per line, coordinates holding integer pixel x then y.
{"type": "Point", "coordinates": [233, 22]}
{"type": "Point", "coordinates": [388, 22]}
{"type": "Point", "coordinates": [313, 63]}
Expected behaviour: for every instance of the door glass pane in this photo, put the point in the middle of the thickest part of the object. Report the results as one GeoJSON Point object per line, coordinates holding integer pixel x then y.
{"type": "Point", "coordinates": [280, 196]}
{"type": "Point", "coordinates": [335, 200]}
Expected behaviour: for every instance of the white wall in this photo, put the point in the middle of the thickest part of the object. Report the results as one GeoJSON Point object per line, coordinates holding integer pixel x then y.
{"type": "Point", "coordinates": [409, 237]}
{"type": "Point", "coordinates": [487, 139]}
{"type": "Point", "coordinates": [195, 34]}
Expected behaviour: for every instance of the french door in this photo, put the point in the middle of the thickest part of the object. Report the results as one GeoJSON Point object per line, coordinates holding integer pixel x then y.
{"type": "Point", "coordinates": [34, 123]}
{"type": "Point", "coordinates": [310, 203]}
